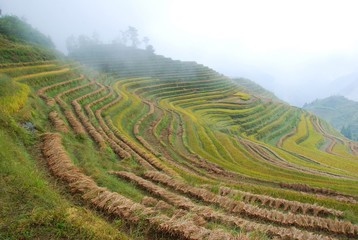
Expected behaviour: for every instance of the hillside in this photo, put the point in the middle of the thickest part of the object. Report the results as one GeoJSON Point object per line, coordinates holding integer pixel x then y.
{"type": "Point", "coordinates": [19, 42]}
{"type": "Point", "coordinates": [121, 143]}
{"type": "Point", "coordinates": [255, 89]}
{"type": "Point", "coordinates": [341, 112]}
{"type": "Point", "coordinates": [348, 86]}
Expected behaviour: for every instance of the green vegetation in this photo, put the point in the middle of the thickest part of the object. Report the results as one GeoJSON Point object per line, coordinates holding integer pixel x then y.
{"type": "Point", "coordinates": [242, 95]}
{"type": "Point", "coordinates": [19, 31]}
{"type": "Point", "coordinates": [251, 87]}
{"type": "Point", "coordinates": [339, 111]}
{"type": "Point", "coordinates": [32, 204]}
{"type": "Point", "coordinates": [13, 95]}
{"type": "Point", "coordinates": [140, 146]}
{"type": "Point", "coordinates": [20, 43]}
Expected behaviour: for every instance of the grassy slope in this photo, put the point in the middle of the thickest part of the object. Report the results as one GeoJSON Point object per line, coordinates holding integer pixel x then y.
{"type": "Point", "coordinates": [338, 111]}
{"type": "Point", "coordinates": [36, 206]}
{"type": "Point", "coordinates": [32, 204]}
{"type": "Point", "coordinates": [211, 106]}
{"type": "Point", "coordinates": [255, 89]}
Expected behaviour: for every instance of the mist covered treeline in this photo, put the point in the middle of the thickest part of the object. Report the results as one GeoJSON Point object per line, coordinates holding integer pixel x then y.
{"type": "Point", "coordinates": [129, 38]}
{"type": "Point", "coordinates": [18, 30]}
{"type": "Point", "coordinates": [20, 42]}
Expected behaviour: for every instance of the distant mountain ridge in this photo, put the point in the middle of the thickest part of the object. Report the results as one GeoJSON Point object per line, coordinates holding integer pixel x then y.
{"type": "Point", "coordinates": [348, 86]}
{"type": "Point", "coordinates": [341, 112]}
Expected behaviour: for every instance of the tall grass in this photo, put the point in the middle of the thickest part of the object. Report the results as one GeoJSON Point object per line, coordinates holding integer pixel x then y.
{"type": "Point", "coordinates": [13, 95]}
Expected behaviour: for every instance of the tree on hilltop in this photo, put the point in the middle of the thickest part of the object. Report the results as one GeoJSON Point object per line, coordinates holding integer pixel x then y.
{"type": "Point", "coordinates": [128, 38]}
{"type": "Point", "coordinates": [73, 43]}
{"type": "Point", "coordinates": [150, 49]}
{"type": "Point", "coordinates": [133, 36]}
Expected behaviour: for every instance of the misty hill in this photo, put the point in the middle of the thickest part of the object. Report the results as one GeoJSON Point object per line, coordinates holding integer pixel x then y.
{"type": "Point", "coordinates": [346, 86]}
{"type": "Point", "coordinates": [140, 146]}
{"type": "Point", "coordinates": [341, 112]}
{"type": "Point", "coordinates": [255, 89]}
{"type": "Point", "coordinates": [235, 96]}
{"type": "Point", "coordinates": [129, 61]}
{"type": "Point", "coordinates": [19, 31]}
{"type": "Point", "coordinates": [20, 42]}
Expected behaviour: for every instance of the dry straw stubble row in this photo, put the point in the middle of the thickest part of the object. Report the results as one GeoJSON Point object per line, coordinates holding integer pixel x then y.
{"type": "Point", "coordinates": [208, 214]}
{"type": "Point", "coordinates": [178, 227]}
{"type": "Point", "coordinates": [288, 219]}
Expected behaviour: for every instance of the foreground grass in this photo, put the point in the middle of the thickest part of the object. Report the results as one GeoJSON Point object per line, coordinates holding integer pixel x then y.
{"type": "Point", "coordinates": [32, 205]}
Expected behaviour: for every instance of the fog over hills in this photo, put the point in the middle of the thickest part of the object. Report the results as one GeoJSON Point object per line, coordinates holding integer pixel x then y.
{"type": "Point", "coordinates": [347, 86]}
{"type": "Point", "coordinates": [341, 112]}
{"type": "Point", "coordinates": [116, 139]}
{"type": "Point", "coordinates": [298, 58]}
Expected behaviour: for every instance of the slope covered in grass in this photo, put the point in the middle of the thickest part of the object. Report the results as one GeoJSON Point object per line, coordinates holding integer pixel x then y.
{"type": "Point", "coordinates": [255, 89]}
{"type": "Point", "coordinates": [146, 147]}
{"type": "Point", "coordinates": [20, 42]}
{"type": "Point", "coordinates": [341, 112]}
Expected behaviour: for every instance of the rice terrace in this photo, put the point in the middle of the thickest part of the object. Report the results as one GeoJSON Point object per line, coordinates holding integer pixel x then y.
{"type": "Point", "coordinates": [117, 142]}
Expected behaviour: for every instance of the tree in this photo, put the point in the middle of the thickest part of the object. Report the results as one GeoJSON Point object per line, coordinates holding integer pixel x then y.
{"type": "Point", "coordinates": [71, 43]}
{"type": "Point", "coordinates": [347, 131]}
{"type": "Point", "coordinates": [145, 40]}
{"type": "Point", "coordinates": [150, 49]}
{"type": "Point", "coordinates": [130, 37]}
{"type": "Point", "coordinates": [122, 38]}
{"type": "Point", "coordinates": [132, 33]}
{"type": "Point", "coordinates": [84, 41]}
{"type": "Point", "coordinates": [96, 38]}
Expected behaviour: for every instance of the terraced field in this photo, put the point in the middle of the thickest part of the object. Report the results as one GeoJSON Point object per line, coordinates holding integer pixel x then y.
{"type": "Point", "coordinates": [175, 150]}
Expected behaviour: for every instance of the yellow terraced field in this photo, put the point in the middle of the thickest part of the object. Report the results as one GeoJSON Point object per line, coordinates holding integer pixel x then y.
{"type": "Point", "coordinates": [164, 149]}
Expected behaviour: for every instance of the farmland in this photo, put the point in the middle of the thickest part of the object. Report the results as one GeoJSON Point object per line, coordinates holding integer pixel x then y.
{"type": "Point", "coordinates": [120, 143]}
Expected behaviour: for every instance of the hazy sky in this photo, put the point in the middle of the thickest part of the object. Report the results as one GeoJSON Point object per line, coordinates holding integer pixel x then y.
{"type": "Point", "coordinates": [295, 48]}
